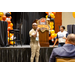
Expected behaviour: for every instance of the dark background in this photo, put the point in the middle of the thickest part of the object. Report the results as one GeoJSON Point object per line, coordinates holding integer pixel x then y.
{"type": "Point", "coordinates": [26, 18]}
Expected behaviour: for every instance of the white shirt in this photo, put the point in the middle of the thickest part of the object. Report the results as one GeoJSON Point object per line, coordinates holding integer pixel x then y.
{"type": "Point", "coordinates": [61, 35]}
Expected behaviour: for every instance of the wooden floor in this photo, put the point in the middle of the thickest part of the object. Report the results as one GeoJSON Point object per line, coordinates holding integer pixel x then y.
{"type": "Point", "coordinates": [24, 46]}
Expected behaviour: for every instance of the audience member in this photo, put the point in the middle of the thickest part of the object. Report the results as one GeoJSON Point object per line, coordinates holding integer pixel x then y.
{"type": "Point", "coordinates": [67, 50]}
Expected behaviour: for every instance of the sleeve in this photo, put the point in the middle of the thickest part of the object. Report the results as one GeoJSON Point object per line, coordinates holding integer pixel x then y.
{"type": "Point", "coordinates": [52, 57]}
{"type": "Point", "coordinates": [31, 33]}
{"type": "Point", "coordinates": [67, 34]}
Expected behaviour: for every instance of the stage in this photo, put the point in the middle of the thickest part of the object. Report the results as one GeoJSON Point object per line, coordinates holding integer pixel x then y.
{"type": "Point", "coordinates": [22, 53]}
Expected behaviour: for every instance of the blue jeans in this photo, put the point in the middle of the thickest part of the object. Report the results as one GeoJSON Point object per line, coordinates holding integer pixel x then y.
{"type": "Point", "coordinates": [60, 44]}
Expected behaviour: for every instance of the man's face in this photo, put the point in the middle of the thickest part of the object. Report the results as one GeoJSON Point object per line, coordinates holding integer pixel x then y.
{"type": "Point", "coordinates": [34, 26]}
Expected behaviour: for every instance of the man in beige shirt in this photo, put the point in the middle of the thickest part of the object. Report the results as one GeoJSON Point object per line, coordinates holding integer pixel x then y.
{"type": "Point", "coordinates": [34, 42]}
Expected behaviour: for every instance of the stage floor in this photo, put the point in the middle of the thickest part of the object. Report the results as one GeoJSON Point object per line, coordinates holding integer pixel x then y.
{"type": "Point", "coordinates": [25, 46]}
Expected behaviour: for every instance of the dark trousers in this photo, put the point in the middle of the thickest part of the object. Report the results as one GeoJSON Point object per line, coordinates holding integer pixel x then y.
{"type": "Point", "coordinates": [60, 44]}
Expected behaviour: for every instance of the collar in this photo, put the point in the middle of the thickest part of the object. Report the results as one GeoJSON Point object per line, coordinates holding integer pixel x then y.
{"type": "Point", "coordinates": [63, 31]}
{"type": "Point", "coordinates": [68, 45]}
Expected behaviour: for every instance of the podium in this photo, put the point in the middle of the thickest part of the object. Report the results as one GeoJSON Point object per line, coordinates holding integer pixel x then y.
{"type": "Point", "coordinates": [43, 32]}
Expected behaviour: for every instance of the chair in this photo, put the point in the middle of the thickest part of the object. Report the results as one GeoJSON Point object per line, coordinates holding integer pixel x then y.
{"type": "Point", "coordinates": [58, 59]}
{"type": "Point", "coordinates": [16, 32]}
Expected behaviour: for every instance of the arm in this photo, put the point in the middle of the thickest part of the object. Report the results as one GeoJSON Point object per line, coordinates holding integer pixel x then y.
{"type": "Point", "coordinates": [34, 35]}
{"type": "Point", "coordinates": [55, 41]}
{"type": "Point", "coordinates": [66, 36]}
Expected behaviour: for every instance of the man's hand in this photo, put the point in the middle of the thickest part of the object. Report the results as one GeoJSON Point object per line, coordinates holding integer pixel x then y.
{"type": "Point", "coordinates": [36, 32]}
{"type": "Point", "coordinates": [38, 29]}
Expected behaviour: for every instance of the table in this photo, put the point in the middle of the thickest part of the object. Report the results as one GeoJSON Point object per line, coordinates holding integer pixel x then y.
{"type": "Point", "coordinates": [3, 33]}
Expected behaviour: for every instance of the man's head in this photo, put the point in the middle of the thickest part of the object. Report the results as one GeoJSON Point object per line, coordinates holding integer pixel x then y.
{"type": "Point", "coordinates": [62, 28]}
{"type": "Point", "coordinates": [70, 39]}
{"type": "Point", "coordinates": [34, 26]}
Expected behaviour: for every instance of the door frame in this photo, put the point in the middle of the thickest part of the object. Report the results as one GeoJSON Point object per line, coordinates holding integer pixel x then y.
{"type": "Point", "coordinates": [58, 21]}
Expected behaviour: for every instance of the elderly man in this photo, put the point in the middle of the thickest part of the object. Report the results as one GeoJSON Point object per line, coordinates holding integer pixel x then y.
{"type": "Point", "coordinates": [67, 50]}
{"type": "Point", "coordinates": [34, 42]}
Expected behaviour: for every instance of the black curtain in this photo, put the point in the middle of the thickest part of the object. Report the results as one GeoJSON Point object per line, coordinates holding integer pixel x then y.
{"type": "Point", "coordinates": [26, 18]}
{"type": "Point", "coordinates": [17, 18]}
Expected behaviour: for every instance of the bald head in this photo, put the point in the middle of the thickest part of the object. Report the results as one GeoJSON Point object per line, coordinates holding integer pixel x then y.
{"type": "Point", "coordinates": [71, 38]}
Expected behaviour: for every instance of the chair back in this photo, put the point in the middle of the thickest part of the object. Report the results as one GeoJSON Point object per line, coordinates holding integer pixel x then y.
{"type": "Point", "coordinates": [65, 59]}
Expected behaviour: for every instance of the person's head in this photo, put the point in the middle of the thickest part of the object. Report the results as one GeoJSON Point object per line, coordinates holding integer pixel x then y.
{"type": "Point", "coordinates": [34, 26]}
{"type": "Point", "coordinates": [62, 28]}
{"type": "Point", "coordinates": [35, 21]}
{"type": "Point", "coordinates": [70, 39]}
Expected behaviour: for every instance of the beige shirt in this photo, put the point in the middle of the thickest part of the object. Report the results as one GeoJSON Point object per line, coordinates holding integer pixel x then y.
{"type": "Point", "coordinates": [32, 39]}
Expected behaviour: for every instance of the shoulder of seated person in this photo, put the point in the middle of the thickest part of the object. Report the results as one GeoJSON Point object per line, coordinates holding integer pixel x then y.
{"type": "Point", "coordinates": [58, 48]}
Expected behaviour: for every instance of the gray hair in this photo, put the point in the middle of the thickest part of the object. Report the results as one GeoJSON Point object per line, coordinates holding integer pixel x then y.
{"type": "Point", "coordinates": [71, 38]}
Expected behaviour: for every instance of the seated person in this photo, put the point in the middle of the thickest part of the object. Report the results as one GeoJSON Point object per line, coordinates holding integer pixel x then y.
{"type": "Point", "coordinates": [67, 50]}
